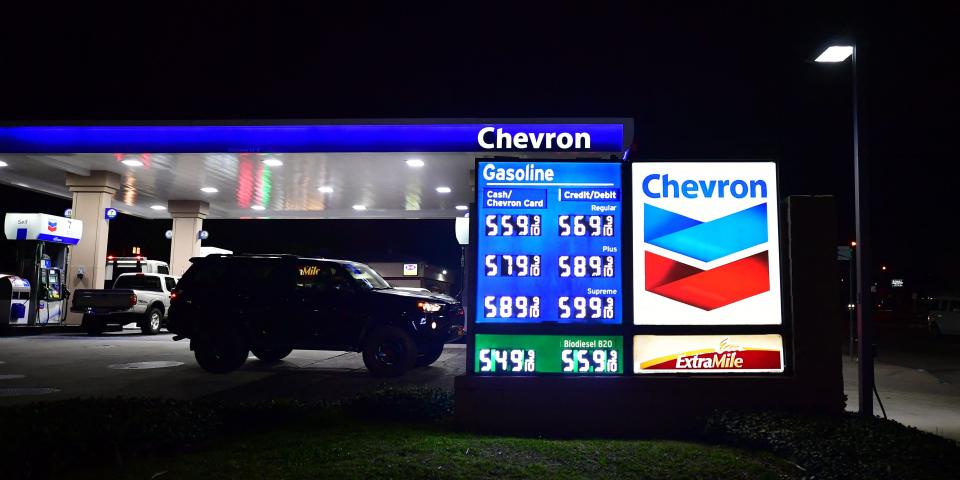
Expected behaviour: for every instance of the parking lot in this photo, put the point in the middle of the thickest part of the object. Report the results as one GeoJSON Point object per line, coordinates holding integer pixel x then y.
{"type": "Point", "coordinates": [67, 365]}
{"type": "Point", "coordinates": [918, 385]}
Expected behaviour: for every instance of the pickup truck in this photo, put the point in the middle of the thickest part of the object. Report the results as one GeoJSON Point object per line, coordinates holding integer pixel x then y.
{"type": "Point", "coordinates": [141, 298]}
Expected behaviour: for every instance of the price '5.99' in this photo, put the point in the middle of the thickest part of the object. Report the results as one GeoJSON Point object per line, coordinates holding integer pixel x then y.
{"type": "Point", "coordinates": [512, 225]}
{"type": "Point", "coordinates": [586, 307]}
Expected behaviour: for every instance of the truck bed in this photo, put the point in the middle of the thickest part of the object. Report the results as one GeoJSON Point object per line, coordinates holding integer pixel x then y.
{"type": "Point", "coordinates": [103, 300]}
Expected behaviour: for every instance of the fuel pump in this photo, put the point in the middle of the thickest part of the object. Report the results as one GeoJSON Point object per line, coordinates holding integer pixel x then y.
{"type": "Point", "coordinates": [41, 253]}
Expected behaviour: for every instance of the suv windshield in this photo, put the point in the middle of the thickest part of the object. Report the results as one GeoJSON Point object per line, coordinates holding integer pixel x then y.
{"type": "Point", "coordinates": [367, 276]}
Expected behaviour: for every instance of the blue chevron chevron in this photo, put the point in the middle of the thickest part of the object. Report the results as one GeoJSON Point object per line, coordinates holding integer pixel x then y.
{"type": "Point", "coordinates": [705, 241]}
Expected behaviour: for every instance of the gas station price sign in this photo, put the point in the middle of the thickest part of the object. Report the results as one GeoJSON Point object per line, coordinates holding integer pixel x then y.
{"type": "Point", "coordinates": [564, 354]}
{"type": "Point", "coordinates": [549, 248]}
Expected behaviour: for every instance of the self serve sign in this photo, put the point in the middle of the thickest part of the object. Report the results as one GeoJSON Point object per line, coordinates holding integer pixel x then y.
{"type": "Point", "coordinates": [706, 244]}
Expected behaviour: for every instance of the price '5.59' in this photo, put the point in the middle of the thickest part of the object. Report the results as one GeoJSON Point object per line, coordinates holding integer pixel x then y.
{"type": "Point", "coordinates": [512, 225]}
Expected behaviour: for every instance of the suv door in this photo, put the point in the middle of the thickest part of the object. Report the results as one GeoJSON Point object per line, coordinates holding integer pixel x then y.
{"type": "Point", "coordinates": [327, 296]}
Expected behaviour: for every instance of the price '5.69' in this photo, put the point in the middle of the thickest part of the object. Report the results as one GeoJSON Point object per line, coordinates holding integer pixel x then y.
{"type": "Point", "coordinates": [585, 225]}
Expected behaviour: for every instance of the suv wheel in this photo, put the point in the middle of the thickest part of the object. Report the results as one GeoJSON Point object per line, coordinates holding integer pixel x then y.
{"type": "Point", "coordinates": [389, 352]}
{"type": "Point", "coordinates": [94, 325]}
{"type": "Point", "coordinates": [430, 355]}
{"type": "Point", "coordinates": [150, 325]}
{"type": "Point", "coordinates": [222, 353]}
{"type": "Point", "coordinates": [271, 354]}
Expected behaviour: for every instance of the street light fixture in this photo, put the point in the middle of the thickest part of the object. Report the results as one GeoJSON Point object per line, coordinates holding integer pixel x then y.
{"type": "Point", "coordinates": [865, 374]}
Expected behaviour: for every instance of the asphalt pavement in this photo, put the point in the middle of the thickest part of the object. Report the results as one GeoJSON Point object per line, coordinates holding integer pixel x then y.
{"type": "Point", "coordinates": [918, 377]}
{"type": "Point", "coordinates": [68, 365]}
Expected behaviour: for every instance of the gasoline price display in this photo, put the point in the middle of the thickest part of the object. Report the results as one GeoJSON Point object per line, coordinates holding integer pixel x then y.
{"type": "Point", "coordinates": [560, 354]}
{"type": "Point", "coordinates": [549, 248]}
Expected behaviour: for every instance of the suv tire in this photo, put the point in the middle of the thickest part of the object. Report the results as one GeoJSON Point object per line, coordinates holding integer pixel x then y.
{"type": "Point", "coordinates": [271, 354]}
{"type": "Point", "coordinates": [94, 325]}
{"type": "Point", "coordinates": [150, 325]}
{"type": "Point", "coordinates": [430, 355]}
{"type": "Point", "coordinates": [389, 352]}
{"type": "Point", "coordinates": [221, 353]}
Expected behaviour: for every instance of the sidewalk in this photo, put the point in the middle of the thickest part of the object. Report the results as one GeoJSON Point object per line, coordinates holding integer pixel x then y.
{"type": "Point", "coordinates": [911, 396]}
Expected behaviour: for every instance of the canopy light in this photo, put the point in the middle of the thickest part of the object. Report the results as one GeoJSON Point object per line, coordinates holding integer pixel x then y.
{"type": "Point", "coordinates": [461, 207]}
{"type": "Point", "coordinates": [130, 162]}
{"type": "Point", "coordinates": [258, 207]}
{"type": "Point", "coordinates": [209, 190]}
{"type": "Point", "coordinates": [415, 162]}
{"type": "Point", "coordinates": [158, 207]}
{"type": "Point", "coordinates": [443, 190]}
{"type": "Point", "coordinates": [359, 207]}
{"type": "Point", "coordinates": [325, 189]}
{"type": "Point", "coordinates": [3, 164]}
{"type": "Point", "coordinates": [834, 54]}
{"type": "Point", "coordinates": [272, 162]}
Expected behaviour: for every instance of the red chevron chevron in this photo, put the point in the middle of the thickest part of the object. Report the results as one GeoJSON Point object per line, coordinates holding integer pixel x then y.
{"type": "Point", "coordinates": [708, 289]}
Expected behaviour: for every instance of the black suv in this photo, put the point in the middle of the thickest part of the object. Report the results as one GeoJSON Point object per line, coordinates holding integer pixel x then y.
{"type": "Point", "coordinates": [229, 305]}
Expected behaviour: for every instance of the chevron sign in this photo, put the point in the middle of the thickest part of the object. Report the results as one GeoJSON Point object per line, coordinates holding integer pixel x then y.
{"type": "Point", "coordinates": [706, 244]}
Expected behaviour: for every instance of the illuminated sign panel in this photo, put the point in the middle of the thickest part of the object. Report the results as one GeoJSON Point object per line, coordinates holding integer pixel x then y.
{"type": "Point", "coordinates": [548, 248]}
{"type": "Point", "coordinates": [707, 353]}
{"type": "Point", "coordinates": [564, 354]}
{"type": "Point", "coordinates": [706, 245]}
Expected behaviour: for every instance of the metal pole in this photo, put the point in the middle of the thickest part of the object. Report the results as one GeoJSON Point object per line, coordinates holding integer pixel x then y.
{"type": "Point", "coordinates": [864, 282]}
{"type": "Point", "coordinates": [851, 307]}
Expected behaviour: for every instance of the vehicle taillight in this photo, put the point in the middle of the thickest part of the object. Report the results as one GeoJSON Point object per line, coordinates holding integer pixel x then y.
{"type": "Point", "coordinates": [133, 299]}
{"type": "Point", "coordinates": [173, 296]}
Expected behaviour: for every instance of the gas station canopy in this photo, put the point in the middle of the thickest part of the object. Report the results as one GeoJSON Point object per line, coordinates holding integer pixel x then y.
{"type": "Point", "coordinates": [316, 169]}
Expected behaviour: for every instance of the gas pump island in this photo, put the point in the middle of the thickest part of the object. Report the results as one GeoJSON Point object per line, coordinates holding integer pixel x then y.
{"type": "Point", "coordinates": [38, 294]}
{"type": "Point", "coordinates": [639, 304]}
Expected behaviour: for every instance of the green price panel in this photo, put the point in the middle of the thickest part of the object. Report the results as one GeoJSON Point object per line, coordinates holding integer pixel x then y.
{"type": "Point", "coordinates": [563, 354]}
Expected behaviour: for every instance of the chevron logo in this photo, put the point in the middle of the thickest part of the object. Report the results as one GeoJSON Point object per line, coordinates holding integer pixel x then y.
{"type": "Point", "coordinates": [706, 242]}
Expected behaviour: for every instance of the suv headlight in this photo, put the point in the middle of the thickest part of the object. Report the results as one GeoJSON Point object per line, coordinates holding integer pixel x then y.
{"type": "Point", "coordinates": [429, 307]}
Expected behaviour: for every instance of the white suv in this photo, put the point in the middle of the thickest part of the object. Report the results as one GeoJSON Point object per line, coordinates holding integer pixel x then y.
{"type": "Point", "coordinates": [944, 316]}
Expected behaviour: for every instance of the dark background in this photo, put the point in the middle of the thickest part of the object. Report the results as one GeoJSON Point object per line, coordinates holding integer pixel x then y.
{"type": "Point", "coordinates": [717, 80]}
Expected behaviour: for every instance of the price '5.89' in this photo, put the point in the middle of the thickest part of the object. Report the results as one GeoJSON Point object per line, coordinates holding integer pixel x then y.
{"type": "Point", "coordinates": [586, 266]}
{"type": "Point", "coordinates": [511, 307]}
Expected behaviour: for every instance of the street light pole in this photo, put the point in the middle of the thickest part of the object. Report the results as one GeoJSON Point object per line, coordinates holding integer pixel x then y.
{"type": "Point", "coordinates": [864, 282]}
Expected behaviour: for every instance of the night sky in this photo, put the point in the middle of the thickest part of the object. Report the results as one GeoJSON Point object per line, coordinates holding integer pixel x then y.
{"type": "Point", "coordinates": [726, 80]}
